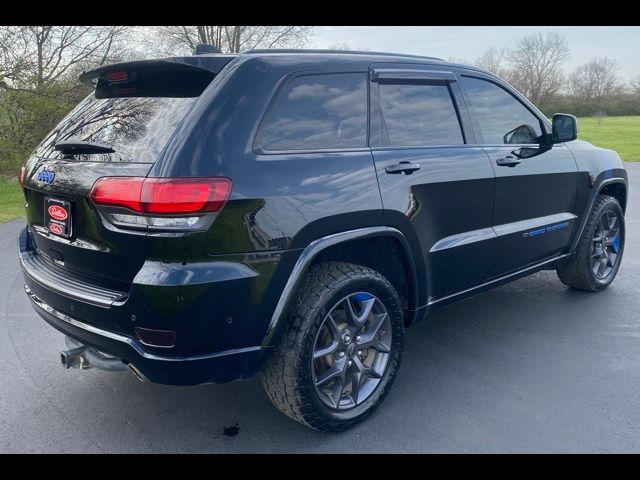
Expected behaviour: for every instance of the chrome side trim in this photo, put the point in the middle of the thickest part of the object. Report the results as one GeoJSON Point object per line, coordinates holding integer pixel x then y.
{"type": "Point", "coordinates": [497, 280]}
{"type": "Point", "coordinates": [308, 255]}
{"type": "Point", "coordinates": [488, 233]}
{"type": "Point", "coordinates": [521, 226]}
{"type": "Point", "coordinates": [126, 340]}
{"type": "Point", "coordinates": [463, 238]}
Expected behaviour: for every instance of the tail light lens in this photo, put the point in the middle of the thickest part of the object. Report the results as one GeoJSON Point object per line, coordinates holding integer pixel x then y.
{"type": "Point", "coordinates": [175, 200]}
{"type": "Point", "coordinates": [163, 196]}
{"type": "Point", "coordinates": [184, 195]}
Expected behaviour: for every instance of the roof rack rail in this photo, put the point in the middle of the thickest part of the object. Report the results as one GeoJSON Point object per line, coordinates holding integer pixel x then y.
{"type": "Point", "coordinates": [346, 52]}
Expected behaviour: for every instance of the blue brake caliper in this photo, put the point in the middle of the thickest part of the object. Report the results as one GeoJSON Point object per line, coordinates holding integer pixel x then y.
{"type": "Point", "coordinates": [362, 297]}
{"type": "Point", "coordinates": [616, 242]}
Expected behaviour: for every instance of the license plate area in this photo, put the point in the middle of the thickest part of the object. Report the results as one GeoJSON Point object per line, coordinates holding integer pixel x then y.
{"type": "Point", "coordinates": [57, 217]}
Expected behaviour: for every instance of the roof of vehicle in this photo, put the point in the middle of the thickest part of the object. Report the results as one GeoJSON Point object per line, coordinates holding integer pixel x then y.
{"type": "Point", "coordinates": [361, 54]}
{"type": "Point", "coordinates": [299, 51]}
{"type": "Point", "coordinates": [215, 61]}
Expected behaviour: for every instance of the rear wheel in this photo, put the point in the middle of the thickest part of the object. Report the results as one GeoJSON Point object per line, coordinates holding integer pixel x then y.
{"type": "Point", "coordinates": [599, 253]}
{"type": "Point", "coordinates": [342, 348]}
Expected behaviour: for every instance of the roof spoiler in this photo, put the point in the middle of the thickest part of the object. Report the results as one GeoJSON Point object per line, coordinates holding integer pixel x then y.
{"type": "Point", "coordinates": [210, 63]}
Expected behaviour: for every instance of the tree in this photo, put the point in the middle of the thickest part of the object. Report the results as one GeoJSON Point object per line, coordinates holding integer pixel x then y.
{"type": "Point", "coordinates": [35, 56]}
{"type": "Point", "coordinates": [340, 46]}
{"type": "Point", "coordinates": [535, 65]}
{"type": "Point", "coordinates": [595, 81]}
{"type": "Point", "coordinates": [635, 85]}
{"type": "Point", "coordinates": [39, 66]}
{"type": "Point", "coordinates": [493, 61]}
{"type": "Point", "coordinates": [175, 40]}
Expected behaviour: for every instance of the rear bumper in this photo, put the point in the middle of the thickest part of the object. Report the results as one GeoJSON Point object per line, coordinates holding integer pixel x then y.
{"type": "Point", "coordinates": [171, 370]}
{"type": "Point", "coordinates": [215, 343]}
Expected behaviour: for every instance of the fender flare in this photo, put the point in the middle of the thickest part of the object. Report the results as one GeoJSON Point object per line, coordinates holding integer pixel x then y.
{"type": "Point", "coordinates": [307, 256]}
{"type": "Point", "coordinates": [592, 200]}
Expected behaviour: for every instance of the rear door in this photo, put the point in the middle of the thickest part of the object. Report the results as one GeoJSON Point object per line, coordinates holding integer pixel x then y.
{"type": "Point", "coordinates": [436, 186]}
{"type": "Point", "coordinates": [535, 198]}
{"type": "Point", "coordinates": [132, 120]}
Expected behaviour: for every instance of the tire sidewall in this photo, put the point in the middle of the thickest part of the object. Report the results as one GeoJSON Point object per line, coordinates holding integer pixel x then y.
{"type": "Point", "coordinates": [311, 403]}
{"type": "Point", "coordinates": [610, 205]}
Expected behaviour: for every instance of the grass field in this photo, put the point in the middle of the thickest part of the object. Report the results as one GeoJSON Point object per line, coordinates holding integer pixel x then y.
{"type": "Point", "coordinates": [622, 134]}
{"type": "Point", "coordinates": [619, 133]}
{"type": "Point", "coordinates": [11, 199]}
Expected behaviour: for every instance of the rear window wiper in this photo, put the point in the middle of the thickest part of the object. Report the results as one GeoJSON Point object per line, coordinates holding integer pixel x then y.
{"type": "Point", "coordinates": [80, 147]}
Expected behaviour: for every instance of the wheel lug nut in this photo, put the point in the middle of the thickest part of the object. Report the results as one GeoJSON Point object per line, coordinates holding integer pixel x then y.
{"type": "Point", "coordinates": [350, 362]}
{"type": "Point", "coordinates": [340, 354]}
{"type": "Point", "coordinates": [346, 338]}
{"type": "Point", "coordinates": [358, 338]}
{"type": "Point", "coordinates": [359, 353]}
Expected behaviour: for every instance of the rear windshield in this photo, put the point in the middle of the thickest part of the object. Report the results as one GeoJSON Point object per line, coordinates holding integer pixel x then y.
{"type": "Point", "coordinates": [137, 128]}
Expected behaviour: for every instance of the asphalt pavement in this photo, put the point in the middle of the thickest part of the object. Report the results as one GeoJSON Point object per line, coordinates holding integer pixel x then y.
{"type": "Point", "coordinates": [528, 367]}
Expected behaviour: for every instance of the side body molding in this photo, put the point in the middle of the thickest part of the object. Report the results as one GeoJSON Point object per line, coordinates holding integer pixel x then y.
{"type": "Point", "coordinates": [314, 248]}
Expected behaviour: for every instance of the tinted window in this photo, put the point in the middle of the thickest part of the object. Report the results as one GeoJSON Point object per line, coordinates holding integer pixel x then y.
{"type": "Point", "coordinates": [501, 118]}
{"type": "Point", "coordinates": [318, 112]}
{"type": "Point", "coordinates": [419, 115]}
{"type": "Point", "coordinates": [137, 128]}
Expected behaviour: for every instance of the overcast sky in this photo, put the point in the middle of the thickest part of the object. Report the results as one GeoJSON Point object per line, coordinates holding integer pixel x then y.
{"type": "Point", "coordinates": [621, 43]}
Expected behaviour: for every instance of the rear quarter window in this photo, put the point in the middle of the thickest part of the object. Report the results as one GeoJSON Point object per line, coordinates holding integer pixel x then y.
{"type": "Point", "coordinates": [317, 112]}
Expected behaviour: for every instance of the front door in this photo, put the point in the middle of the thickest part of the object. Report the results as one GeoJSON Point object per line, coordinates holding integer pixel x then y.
{"type": "Point", "coordinates": [535, 189]}
{"type": "Point", "coordinates": [436, 186]}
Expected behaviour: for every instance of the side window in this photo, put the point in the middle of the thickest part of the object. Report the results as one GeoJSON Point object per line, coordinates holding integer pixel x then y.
{"type": "Point", "coordinates": [319, 111]}
{"type": "Point", "coordinates": [500, 117]}
{"type": "Point", "coordinates": [418, 115]}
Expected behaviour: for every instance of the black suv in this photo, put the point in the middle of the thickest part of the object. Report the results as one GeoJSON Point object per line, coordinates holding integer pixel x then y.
{"type": "Point", "coordinates": [201, 219]}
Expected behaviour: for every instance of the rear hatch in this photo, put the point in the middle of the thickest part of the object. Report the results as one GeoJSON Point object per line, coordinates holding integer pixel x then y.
{"type": "Point", "coordinates": [119, 130]}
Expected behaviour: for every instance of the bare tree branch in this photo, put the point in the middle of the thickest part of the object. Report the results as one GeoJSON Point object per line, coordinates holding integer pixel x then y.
{"type": "Point", "coordinates": [536, 65]}
{"type": "Point", "coordinates": [596, 80]}
{"type": "Point", "coordinates": [230, 39]}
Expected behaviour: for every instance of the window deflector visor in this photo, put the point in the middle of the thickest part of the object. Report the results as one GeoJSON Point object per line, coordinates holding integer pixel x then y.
{"type": "Point", "coordinates": [384, 75]}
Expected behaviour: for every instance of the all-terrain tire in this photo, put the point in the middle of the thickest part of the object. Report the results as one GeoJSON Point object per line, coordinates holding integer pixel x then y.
{"type": "Point", "coordinates": [578, 272]}
{"type": "Point", "coordinates": [287, 374]}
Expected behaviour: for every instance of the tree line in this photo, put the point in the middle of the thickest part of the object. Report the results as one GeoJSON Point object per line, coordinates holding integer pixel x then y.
{"type": "Point", "coordinates": [535, 67]}
{"type": "Point", "coordinates": [39, 67]}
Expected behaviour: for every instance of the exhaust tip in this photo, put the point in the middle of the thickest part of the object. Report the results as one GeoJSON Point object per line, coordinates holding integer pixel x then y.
{"type": "Point", "coordinates": [137, 373]}
{"type": "Point", "coordinates": [63, 360]}
{"type": "Point", "coordinates": [74, 358]}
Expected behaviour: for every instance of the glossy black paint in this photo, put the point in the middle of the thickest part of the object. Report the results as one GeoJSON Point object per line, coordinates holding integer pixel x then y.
{"type": "Point", "coordinates": [460, 218]}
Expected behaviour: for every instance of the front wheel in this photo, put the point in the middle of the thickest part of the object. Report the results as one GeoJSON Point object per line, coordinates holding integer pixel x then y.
{"type": "Point", "coordinates": [599, 253]}
{"type": "Point", "coordinates": [341, 351]}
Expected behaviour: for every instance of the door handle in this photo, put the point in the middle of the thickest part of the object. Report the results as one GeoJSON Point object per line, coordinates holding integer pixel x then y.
{"type": "Point", "coordinates": [405, 168]}
{"type": "Point", "coordinates": [508, 161]}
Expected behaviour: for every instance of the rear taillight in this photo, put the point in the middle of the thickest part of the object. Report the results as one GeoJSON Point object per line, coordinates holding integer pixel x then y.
{"type": "Point", "coordinates": [184, 195]}
{"type": "Point", "coordinates": [178, 202]}
{"type": "Point", "coordinates": [119, 191]}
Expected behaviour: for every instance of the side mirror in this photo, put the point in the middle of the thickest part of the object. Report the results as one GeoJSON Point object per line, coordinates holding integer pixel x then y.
{"type": "Point", "coordinates": [565, 127]}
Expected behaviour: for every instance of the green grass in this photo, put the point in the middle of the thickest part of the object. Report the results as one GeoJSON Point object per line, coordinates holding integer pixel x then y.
{"type": "Point", "coordinates": [621, 134]}
{"type": "Point", "coordinates": [11, 199]}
